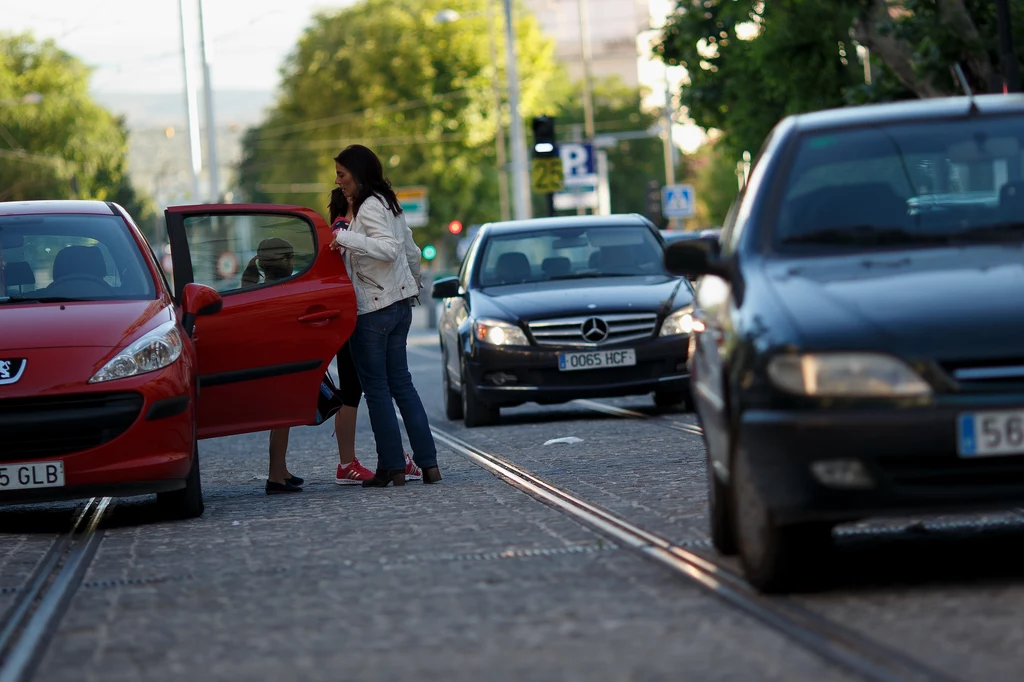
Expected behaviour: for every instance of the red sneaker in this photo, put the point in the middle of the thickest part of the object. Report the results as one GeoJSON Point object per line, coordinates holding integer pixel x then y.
{"type": "Point", "coordinates": [411, 470]}
{"type": "Point", "coordinates": [353, 473]}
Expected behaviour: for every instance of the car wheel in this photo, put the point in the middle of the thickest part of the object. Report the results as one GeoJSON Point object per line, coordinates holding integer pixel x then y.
{"type": "Point", "coordinates": [186, 503]}
{"type": "Point", "coordinates": [668, 399]}
{"type": "Point", "coordinates": [452, 398]}
{"type": "Point", "coordinates": [723, 534]}
{"type": "Point", "coordinates": [775, 558]}
{"type": "Point", "coordinates": [474, 412]}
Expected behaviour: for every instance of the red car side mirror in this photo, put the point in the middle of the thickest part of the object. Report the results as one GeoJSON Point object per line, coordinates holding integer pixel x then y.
{"type": "Point", "coordinates": [197, 300]}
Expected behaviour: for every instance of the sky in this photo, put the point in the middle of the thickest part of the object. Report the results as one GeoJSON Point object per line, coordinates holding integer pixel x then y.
{"type": "Point", "coordinates": [135, 45]}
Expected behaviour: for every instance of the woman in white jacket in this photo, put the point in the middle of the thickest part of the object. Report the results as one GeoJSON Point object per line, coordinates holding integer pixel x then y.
{"type": "Point", "coordinates": [383, 262]}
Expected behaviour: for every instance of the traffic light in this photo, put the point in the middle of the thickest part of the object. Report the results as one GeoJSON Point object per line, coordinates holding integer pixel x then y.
{"type": "Point", "coordinates": [429, 252]}
{"type": "Point", "coordinates": [544, 137]}
{"type": "Point", "coordinates": [455, 227]}
{"type": "Point", "coordinates": [653, 203]}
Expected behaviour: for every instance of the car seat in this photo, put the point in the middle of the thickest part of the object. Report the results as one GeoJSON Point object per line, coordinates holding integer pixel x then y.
{"type": "Point", "coordinates": [17, 274]}
{"type": "Point", "coordinates": [1011, 203]}
{"type": "Point", "coordinates": [556, 266]}
{"type": "Point", "coordinates": [79, 260]}
{"type": "Point", "coordinates": [873, 204]}
{"type": "Point", "coordinates": [512, 267]}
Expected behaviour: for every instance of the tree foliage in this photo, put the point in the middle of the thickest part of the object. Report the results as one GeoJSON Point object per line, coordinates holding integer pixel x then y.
{"type": "Point", "coordinates": [803, 56]}
{"type": "Point", "coordinates": [420, 93]}
{"type": "Point", "coordinates": [64, 145]}
{"type": "Point", "coordinates": [713, 173]}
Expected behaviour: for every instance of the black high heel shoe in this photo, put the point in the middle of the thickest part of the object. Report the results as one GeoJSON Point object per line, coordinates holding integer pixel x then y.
{"type": "Point", "coordinates": [277, 488]}
{"type": "Point", "coordinates": [295, 480]}
{"type": "Point", "coordinates": [431, 475]}
{"type": "Point", "coordinates": [382, 477]}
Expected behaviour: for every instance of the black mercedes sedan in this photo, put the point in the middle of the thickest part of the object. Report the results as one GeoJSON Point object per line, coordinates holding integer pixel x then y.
{"type": "Point", "coordinates": [859, 334]}
{"type": "Point", "coordinates": [549, 310]}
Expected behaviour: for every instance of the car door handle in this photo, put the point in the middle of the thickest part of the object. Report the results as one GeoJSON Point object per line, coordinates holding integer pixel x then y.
{"type": "Point", "coordinates": [320, 316]}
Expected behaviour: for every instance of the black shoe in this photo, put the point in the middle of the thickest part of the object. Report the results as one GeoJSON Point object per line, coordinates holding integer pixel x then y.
{"type": "Point", "coordinates": [431, 475]}
{"type": "Point", "coordinates": [382, 477]}
{"type": "Point", "coordinates": [295, 480]}
{"type": "Point", "coordinates": [277, 488]}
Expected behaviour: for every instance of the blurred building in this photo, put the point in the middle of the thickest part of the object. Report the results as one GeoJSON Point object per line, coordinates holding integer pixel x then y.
{"type": "Point", "coordinates": [622, 33]}
{"type": "Point", "coordinates": [614, 27]}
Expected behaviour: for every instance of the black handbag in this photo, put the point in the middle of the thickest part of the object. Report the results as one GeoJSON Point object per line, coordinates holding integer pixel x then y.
{"type": "Point", "coordinates": [329, 401]}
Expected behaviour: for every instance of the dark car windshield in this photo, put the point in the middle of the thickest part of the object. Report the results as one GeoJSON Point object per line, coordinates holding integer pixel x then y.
{"type": "Point", "coordinates": [51, 258]}
{"type": "Point", "coordinates": [577, 253]}
{"type": "Point", "coordinates": [926, 183]}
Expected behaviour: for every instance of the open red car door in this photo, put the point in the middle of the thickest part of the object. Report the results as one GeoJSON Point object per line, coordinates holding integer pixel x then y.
{"type": "Point", "coordinates": [288, 306]}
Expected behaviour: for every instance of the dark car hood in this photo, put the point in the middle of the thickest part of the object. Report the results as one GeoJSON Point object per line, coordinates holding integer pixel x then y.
{"type": "Point", "coordinates": [943, 303]}
{"type": "Point", "coordinates": [539, 300]}
{"type": "Point", "coordinates": [99, 324]}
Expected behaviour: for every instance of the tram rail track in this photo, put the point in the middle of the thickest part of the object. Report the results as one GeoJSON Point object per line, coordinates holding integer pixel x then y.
{"type": "Point", "coordinates": [30, 622]}
{"type": "Point", "coordinates": [835, 643]}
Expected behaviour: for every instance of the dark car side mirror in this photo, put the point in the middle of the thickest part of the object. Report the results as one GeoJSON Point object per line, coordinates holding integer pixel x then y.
{"type": "Point", "coordinates": [198, 300]}
{"type": "Point", "coordinates": [695, 257]}
{"type": "Point", "coordinates": [446, 287]}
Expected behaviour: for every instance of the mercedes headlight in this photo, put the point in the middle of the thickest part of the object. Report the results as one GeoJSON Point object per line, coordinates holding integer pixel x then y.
{"type": "Point", "coordinates": [846, 375]}
{"type": "Point", "coordinates": [680, 322]}
{"type": "Point", "coordinates": [154, 350]}
{"type": "Point", "coordinates": [499, 333]}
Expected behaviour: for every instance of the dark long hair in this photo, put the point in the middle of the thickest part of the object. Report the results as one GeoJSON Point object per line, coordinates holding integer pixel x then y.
{"type": "Point", "coordinates": [338, 205]}
{"type": "Point", "coordinates": [368, 173]}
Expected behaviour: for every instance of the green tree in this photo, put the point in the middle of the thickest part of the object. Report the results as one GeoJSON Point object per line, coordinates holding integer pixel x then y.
{"type": "Point", "coordinates": [386, 74]}
{"type": "Point", "coordinates": [632, 163]}
{"type": "Point", "coordinates": [63, 145]}
{"type": "Point", "coordinates": [751, 62]}
{"type": "Point", "coordinates": [743, 87]}
{"type": "Point", "coordinates": [714, 179]}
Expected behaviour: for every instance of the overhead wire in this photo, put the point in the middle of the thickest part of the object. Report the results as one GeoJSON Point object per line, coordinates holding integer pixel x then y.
{"type": "Point", "coordinates": [362, 113]}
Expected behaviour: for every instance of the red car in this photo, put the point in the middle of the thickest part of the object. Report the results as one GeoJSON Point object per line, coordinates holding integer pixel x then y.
{"type": "Point", "coordinates": [109, 374]}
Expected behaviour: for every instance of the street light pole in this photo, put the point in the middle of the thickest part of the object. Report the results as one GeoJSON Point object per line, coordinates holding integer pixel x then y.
{"type": "Point", "coordinates": [588, 98]}
{"type": "Point", "coordinates": [499, 132]}
{"type": "Point", "coordinates": [586, 56]}
{"type": "Point", "coordinates": [211, 125]}
{"type": "Point", "coordinates": [520, 187]}
{"type": "Point", "coordinates": [192, 110]}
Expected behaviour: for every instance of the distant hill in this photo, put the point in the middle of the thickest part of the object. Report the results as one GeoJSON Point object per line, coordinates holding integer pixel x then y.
{"type": "Point", "coordinates": [236, 108]}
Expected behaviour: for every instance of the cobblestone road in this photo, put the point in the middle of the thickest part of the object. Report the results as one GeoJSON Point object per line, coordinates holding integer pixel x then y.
{"type": "Point", "coordinates": [473, 579]}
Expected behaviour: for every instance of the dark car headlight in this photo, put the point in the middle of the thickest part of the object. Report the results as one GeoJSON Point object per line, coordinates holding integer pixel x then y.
{"type": "Point", "coordinates": [154, 350]}
{"type": "Point", "coordinates": [847, 375]}
{"type": "Point", "coordinates": [680, 322]}
{"type": "Point", "coordinates": [498, 333]}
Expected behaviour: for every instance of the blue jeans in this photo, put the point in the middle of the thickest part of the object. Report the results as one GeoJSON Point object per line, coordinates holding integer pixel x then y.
{"type": "Point", "coordinates": [378, 350]}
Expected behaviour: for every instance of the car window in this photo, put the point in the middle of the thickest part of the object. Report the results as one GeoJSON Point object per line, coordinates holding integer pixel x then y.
{"type": "Point", "coordinates": [597, 251]}
{"type": "Point", "coordinates": [235, 252]}
{"type": "Point", "coordinates": [71, 257]}
{"type": "Point", "coordinates": [926, 181]}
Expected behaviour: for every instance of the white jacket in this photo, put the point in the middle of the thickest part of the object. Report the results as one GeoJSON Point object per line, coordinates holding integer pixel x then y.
{"type": "Point", "coordinates": [383, 259]}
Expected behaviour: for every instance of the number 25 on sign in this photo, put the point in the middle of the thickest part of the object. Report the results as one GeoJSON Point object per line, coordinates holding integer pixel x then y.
{"type": "Point", "coordinates": [546, 174]}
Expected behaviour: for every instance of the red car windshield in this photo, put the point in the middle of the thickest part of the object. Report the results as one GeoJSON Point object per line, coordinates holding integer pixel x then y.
{"type": "Point", "coordinates": [71, 258]}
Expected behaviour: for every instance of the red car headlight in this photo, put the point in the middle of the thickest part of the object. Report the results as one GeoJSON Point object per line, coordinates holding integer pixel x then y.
{"type": "Point", "coordinates": [154, 350]}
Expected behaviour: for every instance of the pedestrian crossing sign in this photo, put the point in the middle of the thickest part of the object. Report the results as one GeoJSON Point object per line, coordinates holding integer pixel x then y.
{"type": "Point", "coordinates": [677, 201]}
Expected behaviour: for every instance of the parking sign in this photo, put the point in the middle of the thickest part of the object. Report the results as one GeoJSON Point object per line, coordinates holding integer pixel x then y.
{"type": "Point", "coordinates": [579, 168]}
